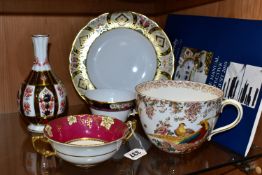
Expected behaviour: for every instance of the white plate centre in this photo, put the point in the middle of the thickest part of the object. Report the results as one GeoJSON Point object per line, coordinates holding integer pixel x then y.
{"type": "Point", "coordinates": [121, 58]}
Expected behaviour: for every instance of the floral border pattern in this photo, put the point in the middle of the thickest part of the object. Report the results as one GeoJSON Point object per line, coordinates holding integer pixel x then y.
{"type": "Point", "coordinates": [177, 126]}
{"type": "Point", "coordinates": [109, 21]}
{"type": "Point", "coordinates": [85, 120]}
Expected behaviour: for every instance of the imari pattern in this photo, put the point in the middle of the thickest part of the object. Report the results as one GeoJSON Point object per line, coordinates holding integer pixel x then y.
{"type": "Point", "coordinates": [61, 96]}
{"type": "Point", "coordinates": [46, 103]}
{"type": "Point", "coordinates": [106, 22]}
{"type": "Point", "coordinates": [28, 101]}
{"type": "Point", "coordinates": [41, 96]}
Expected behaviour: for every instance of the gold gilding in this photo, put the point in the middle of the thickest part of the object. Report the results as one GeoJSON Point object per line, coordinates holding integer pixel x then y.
{"type": "Point", "coordinates": [109, 21]}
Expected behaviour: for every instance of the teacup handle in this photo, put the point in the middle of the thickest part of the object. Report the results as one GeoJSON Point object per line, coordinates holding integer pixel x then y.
{"type": "Point", "coordinates": [44, 152]}
{"type": "Point", "coordinates": [234, 123]}
{"type": "Point", "coordinates": [131, 128]}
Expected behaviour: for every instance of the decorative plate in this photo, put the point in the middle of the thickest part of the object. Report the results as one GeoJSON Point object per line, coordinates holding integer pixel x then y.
{"type": "Point", "coordinates": [120, 50]}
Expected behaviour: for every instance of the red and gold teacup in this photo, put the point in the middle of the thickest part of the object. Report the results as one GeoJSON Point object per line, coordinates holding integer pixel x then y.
{"type": "Point", "coordinates": [116, 103]}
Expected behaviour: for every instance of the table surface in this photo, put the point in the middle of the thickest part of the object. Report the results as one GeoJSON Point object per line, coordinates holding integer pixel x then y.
{"type": "Point", "coordinates": [17, 155]}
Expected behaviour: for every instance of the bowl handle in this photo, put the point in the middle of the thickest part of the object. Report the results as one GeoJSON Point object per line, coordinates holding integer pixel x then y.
{"type": "Point", "coordinates": [41, 149]}
{"type": "Point", "coordinates": [131, 128]}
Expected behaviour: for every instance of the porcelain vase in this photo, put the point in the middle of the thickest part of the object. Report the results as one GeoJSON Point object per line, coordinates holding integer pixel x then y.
{"type": "Point", "coordinates": [42, 96]}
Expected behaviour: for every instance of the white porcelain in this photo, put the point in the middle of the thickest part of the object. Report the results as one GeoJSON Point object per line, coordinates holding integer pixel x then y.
{"type": "Point", "coordinates": [84, 154]}
{"type": "Point", "coordinates": [42, 96]}
{"type": "Point", "coordinates": [120, 50]}
{"type": "Point", "coordinates": [40, 43]}
{"type": "Point", "coordinates": [178, 116]}
{"type": "Point", "coordinates": [121, 58]}
{"type": "Point", "coordinates": [117, 103]}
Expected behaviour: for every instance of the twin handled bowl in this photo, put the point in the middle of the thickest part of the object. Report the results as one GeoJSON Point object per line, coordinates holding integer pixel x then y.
{"type": "Point", "coordinates": [84, 140]}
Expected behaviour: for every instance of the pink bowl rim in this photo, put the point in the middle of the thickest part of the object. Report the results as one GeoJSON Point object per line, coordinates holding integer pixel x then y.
{"type": "Point", "coordinates": [86, 146]}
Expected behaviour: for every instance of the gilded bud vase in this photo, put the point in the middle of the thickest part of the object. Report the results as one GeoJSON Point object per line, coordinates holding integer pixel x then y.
{"type": "Point", "coordinates": [42, 96]}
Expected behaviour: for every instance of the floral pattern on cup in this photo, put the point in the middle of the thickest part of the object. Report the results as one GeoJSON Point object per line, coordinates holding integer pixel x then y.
{"type": "Point", "coordinates": [121, 106]}
{"type": "Point", "coordinates": [166, 136]}
{"type": "Point", "coordinates": [179, 111]}
{"type": "Point", "coordinates": [178, 116]}
{"type": "Point", "coordinates": [107, 106]}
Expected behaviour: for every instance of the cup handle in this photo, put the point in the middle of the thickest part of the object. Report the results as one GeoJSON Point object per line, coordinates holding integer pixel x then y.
{"type": "Point", "coordinates": [42, 151]}
{"type": "Point", "coordinates": [131, 128]}
{"type": "Point", "coordinates": [237, 105]}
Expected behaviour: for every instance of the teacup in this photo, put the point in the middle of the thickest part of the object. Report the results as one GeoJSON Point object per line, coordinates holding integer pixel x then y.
{"type": "Point", "coordinates": [111, 102]}
{"type": "Point", "coordinates": [84, 140]}
{"type": "Point", "coordinates": [178, 116]}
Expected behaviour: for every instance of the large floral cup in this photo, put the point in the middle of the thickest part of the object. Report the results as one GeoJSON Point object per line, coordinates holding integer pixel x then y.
{"type": "Point", "coordinates": [178, 116]}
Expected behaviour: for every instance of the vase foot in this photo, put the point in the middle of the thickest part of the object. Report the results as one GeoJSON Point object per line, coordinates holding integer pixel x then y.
{"type": "Point", "coordinates": [35, 128]}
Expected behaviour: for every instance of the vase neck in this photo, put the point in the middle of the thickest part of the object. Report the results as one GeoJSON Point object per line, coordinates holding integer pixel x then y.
{"type": "Point", "coordinates": [40, 43]}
